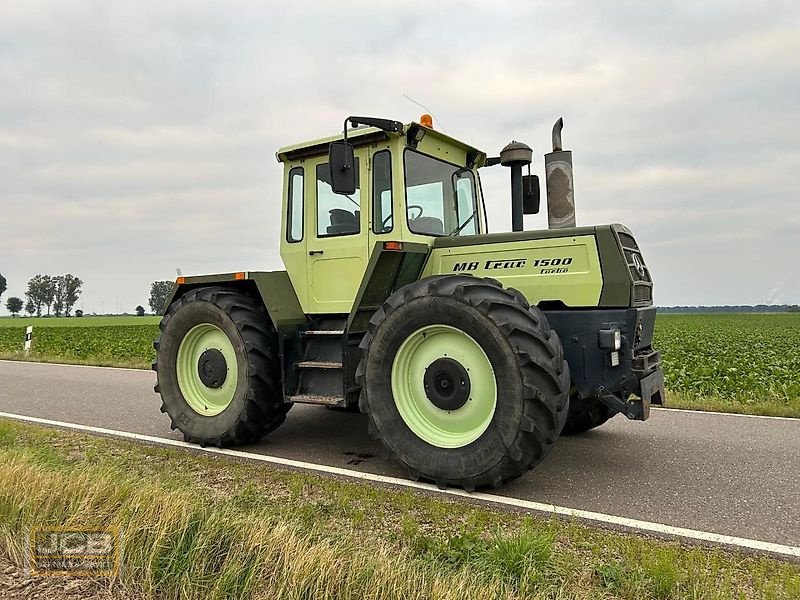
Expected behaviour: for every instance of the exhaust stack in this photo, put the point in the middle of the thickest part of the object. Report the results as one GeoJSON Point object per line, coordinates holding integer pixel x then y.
{"type": "Point", "coordinates": [560, 183]}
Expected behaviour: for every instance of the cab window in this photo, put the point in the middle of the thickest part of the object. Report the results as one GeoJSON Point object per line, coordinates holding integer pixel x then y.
{"type": "Point", "coordinates": [440, 197]}
{"type": "Point", "coordinates": [294, 216]}
{"type": "Point", "coordinates": [337, 214]}
{"type": "Point", "coordinates": [382, 221]}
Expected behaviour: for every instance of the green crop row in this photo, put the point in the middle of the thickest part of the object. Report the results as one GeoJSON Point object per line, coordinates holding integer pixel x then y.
{"type": "Point", "coordinates": [128, 345]}
{"type": "Point", "coordinates": [749, 358]}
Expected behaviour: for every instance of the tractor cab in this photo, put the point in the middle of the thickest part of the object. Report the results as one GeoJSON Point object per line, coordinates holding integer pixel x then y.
{"type": "Point", "coordinates": [405, 183]}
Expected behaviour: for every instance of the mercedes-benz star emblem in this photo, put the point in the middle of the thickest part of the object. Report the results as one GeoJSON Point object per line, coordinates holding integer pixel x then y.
{"type": "Point", "coordinates": [638, 265]}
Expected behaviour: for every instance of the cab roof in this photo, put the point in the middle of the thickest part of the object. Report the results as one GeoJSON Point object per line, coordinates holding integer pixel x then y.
{"type": "Point", "coordinates": [366, 135]}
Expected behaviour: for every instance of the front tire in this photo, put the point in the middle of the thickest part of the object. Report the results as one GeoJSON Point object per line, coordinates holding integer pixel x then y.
{"type": "Point", "coordinates": [218, 368]}
{"type": "Point", "coordinates": [585, 414]}
{"type": "Point", "coordinates": [464, 382]}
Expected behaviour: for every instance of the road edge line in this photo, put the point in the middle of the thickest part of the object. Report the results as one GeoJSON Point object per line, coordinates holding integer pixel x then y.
{"type": "Point", "coordinates": [625, 522]}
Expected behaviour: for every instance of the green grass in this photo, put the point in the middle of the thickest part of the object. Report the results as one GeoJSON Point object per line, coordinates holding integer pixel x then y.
{"type": "Point", "coordinates": [746, 363]}
{"type": "Point", "coordinates": [202, 527]}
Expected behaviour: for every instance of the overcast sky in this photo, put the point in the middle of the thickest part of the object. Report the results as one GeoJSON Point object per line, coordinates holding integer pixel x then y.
{"type": "Point", "coordinates": [137, 137]}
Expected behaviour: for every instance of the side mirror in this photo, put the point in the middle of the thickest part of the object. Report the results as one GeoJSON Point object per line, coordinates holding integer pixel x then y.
{"type": "Point", "coordinates": [342, 160]}
{"type": "Point", "coordinates": [530, 194]}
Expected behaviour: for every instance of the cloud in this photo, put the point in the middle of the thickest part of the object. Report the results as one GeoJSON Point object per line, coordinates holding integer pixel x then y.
{"type": "Point", "coordinates": [138, 137]}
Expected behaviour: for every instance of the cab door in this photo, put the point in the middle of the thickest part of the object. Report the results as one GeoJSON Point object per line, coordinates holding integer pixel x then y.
{"type": "Point", "coordinates": [337, 243]}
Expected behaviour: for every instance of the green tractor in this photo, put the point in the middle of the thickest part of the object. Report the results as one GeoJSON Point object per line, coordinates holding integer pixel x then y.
{"type": "Point", "coordinates": [470, 352]}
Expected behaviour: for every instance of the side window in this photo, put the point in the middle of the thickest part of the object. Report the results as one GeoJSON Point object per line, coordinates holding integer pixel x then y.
{"type": "Point", "coordinates": [337, 214]}
{"type": "Point", "coordinates": [466, 207]}
{"type": "Point", "coordinates": [294, 216]}
{"type": "Point", "coordinates": [382, 221]}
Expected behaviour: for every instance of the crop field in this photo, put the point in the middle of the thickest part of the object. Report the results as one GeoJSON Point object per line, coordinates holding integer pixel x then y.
{"type": "Point", "coordinates": [736, 362]}
{"type": "Point", "coordinates": [733, 362]}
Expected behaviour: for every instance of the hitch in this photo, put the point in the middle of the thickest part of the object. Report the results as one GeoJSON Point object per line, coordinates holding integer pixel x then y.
{"type": "Point", "coordinates": [636, 409]}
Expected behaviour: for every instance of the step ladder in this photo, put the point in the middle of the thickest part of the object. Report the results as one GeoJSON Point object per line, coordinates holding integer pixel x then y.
{"type": "Point", "coordinates": [320, 372]}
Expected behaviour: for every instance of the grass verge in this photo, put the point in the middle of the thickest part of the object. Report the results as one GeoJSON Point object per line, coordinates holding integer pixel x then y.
{"type": "Point", "coordinates": [71, 360]}
{"type": "Point", "coordinates": [768, 406]}
{"type": "Point", "coordinates": [203, 527]}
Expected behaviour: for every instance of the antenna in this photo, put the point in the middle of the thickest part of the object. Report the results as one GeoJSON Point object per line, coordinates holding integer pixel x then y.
{"type": "Point", "coordinates": [178, 271]}
{"type": "Point", "coordinates": [427, 110]}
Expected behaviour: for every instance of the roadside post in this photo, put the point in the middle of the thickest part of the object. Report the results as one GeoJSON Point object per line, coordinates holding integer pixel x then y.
{"type": "Point", "coordinates": [28, 336]}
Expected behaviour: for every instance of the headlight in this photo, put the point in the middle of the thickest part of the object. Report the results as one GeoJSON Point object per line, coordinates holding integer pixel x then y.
{"type": "Point", "coordinates": [609, 339]}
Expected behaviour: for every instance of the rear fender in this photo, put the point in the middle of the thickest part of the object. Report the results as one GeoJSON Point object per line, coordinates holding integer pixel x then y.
{"type": "Point", "coordinates": [273, 289]}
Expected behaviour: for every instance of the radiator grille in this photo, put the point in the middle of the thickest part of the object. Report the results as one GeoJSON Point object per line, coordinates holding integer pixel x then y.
{"type": "Point", "coordinates": [642, 294]}
{"type": "Point", "coordinates": [640, 274]}
{"type": "Point", "coordinates": [627, 240]}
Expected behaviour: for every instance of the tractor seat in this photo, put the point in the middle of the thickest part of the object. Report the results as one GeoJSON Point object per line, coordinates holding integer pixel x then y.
{"type": "Point", "coordinates": [427, 225]}
{"type": "Point", "coordinates": [343, 222]}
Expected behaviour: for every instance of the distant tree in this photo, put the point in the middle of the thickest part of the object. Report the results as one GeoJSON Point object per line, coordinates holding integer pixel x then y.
{"type": "Point", "coordinates": [30, 308]}
{"type": "Point", "coordinates": [159, 290]}
{"type": "Point", "coordinates": [72, 292]}
{"type": "Point", "coordinates": [14, 305]}
{"type": "Point", "coordinates": [67, 291]}
{"type": "Point", "coordinates": [793, 308]}
{"type": "Point", "coordinates": [58, 297]}
{"type": "Point", "coordinates": [48, 291]}
{"type": "Point", "coordinates": [3, 286]}
{"type": "Point", "coordinates": [140, 311]}
{"type": "Point", "coordinates": [38, 291]}
{"type": "Point", "coordinates": [79, 313]}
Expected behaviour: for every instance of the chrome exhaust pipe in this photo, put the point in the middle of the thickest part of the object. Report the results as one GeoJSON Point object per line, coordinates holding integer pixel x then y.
{"type": "Point", "coordinates": [560, 183]}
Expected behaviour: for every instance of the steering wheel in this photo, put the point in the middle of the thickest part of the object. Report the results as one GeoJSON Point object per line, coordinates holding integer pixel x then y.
{"type": "Point", "coordinates": [410, 206]}
{"type": "Point", "coordinates": [418, 207]}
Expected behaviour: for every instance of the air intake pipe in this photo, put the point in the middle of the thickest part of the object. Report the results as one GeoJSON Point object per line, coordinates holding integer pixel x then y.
{"type": "Point", "coordinates": [560, 183]}
{"type": "Point", "coordinates": [515, 155]}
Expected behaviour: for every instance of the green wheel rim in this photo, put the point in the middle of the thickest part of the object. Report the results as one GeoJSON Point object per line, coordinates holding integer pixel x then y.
{"type": "Point", "coordinates": [438, 427]}
{"type": "Point", "coordinates": [204, 400]}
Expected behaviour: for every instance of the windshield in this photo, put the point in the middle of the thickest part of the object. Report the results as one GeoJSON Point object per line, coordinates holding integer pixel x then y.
{"type": "Point", "coordinates": [440, 198]}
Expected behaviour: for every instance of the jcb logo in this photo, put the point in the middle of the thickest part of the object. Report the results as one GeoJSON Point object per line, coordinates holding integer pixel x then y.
{"type": "Point", "coordinates": [74, 552]}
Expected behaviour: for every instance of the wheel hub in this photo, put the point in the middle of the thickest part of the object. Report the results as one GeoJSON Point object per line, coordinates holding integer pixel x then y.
{"type": "Point", "coordinates": [212, 368]}
{"type": "Point", "coordinates": [447, 384]}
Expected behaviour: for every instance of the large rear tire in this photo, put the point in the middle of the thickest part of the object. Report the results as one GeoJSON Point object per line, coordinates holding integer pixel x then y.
{"type": "Point", "coordinates": [464, 382]}
{"type": "Point", "coordinates": [218, 368]}
{"type": "Point", "coordinates": [585, 414]}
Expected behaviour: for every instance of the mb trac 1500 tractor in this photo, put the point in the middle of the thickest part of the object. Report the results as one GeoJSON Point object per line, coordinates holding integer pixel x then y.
{"type": "Point", "coordinates": [470, 352]}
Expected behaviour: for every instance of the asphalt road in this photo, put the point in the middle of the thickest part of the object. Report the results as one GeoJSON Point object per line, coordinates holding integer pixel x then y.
{"type": "Point", "coordinates": [724, 474]}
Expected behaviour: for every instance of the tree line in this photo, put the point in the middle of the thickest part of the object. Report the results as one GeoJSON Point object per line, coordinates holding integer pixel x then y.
{"type": "Point", "coordinates": [159, 290]}
{"type": "Point", "coordinates": [58, 293]}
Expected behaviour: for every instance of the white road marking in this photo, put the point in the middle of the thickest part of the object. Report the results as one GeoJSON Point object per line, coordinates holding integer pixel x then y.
{"type": "Point", "coordinates": [634, 524]}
